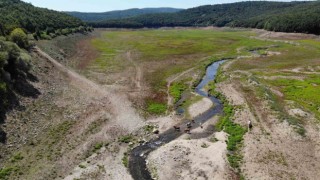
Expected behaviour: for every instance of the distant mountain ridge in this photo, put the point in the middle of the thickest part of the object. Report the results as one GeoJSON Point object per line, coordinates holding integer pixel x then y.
{"type": "Point", "coordinates": [119, 14]}
{"type": "Point", "coordinates": [296, 16]}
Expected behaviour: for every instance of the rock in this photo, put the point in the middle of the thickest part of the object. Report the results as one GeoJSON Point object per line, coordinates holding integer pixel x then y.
{"type": "Point", "coordinates": [298, 112]}
{"type": "Point", "coordinates": [155, 131]}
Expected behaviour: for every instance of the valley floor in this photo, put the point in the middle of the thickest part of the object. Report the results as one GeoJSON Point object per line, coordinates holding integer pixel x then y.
{"type": "Point", "coordinates": [103, 94]}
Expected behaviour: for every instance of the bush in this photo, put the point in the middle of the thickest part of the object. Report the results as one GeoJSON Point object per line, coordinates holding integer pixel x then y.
{"type": "Point", "coordinates": [20, 38]}
{"type": "Point", "coordinates": [126, 139]}
{"type": "Point", "coordinates": [58, 32]}
{"type": "Point", "coordinates": [17, 157]}
{"type": "Point", "coordinates": [3, 59]}
{"type": "Point", "coordinates": [43, 35]}
{"type": "Point", "coordinates": [82, 166]}
{"type": "Point", "coordinates": [98, 146]}
{"type": "Point", "coordinates": [6, 171]}
{"type": "Point", "coordinates": [3, 87]}
{"type": "Point", "coordinates": [148, 128]}
{"type": "Point", "coordinates": [81, 29]}
{"type": "Point", "coordinates": [65, 31]}
{"type": "Point", "coordinates": [52, 35]}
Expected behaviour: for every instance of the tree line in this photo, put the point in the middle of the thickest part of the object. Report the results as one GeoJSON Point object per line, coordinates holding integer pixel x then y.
{"type": "Point", "coordinates": [298, 16]}
{"type": "Point", "coordinates": [18, 14]}
{"type": "Point", "coordinates": [120, 14]}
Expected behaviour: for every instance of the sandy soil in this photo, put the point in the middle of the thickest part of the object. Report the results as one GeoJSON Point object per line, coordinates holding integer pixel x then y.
{"type": "Point", "coordinates": [166, 122]}
{"type": "Point", "coordinates": [188, 158]}
{"type": "Point", "coordinates": [87, 52]}
{"type": "Point", "coordinates": [283, 36]}
{"type": "Point", "coordinates": [231, 93]}
{"type": "Point", "coordinates": [200, 107]}
{"type": "Point", "coordinates": [138, 77]}
{"type": "Point", "coordinates": [272, 150]}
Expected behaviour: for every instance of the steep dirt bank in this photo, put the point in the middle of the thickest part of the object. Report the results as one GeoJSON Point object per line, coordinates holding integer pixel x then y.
{"type": "Point", "coordinates": [74, 120]}
{"type": "Point", "coordinates": [122, 116]}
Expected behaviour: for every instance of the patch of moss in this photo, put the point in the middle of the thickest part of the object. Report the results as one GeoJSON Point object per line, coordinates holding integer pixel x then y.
{"type": "Point", "coordinates": [156, 108]}
{"type": "Point", "coordinates": [176, 90]}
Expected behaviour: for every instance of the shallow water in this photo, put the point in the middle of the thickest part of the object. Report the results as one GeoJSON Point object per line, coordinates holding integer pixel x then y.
{"type": "Point", "coordinates": [137, 159]}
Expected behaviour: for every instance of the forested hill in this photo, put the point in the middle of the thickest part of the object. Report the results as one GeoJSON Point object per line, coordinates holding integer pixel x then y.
{"type": "Point", "coordinates": [276, 16]}
{"type": "Point", "coordinates": [120, 14]}
{"type": "Point", "coordinates": [15, 13]}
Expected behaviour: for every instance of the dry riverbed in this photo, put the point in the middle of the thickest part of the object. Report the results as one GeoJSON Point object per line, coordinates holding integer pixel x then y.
{"type": "Point", "coordinates": [188, 158]}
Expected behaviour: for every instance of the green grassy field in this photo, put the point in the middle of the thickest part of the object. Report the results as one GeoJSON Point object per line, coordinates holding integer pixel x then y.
{"type": "Point", "coordinates": [167, 53]}
{"type": "Point", "coordinates": [294, 73]}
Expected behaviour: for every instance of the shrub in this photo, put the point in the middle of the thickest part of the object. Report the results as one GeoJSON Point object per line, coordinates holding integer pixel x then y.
{"type": "Point", "coordinates": [125, 160]}
{"type": "Point", "coordinates": [82, 166]}
{"type": "Point", "coordinates": [4, 172]}
{"type": "Point", "coordinates": [126, 139]}
{"type": "Point", "coordinates": [98, 146]}
{"type": "Point", "coordinates": [148, 128]}
{"type": "Point", "coordinates": [65, 31]}
{"type": "Point", "coordinates": [52, 35]}
{"type": "Point", "coordinates": [20, 38]}
{"type": "Point", "coordinates": [45, 36]}
{"type": "Point", "coordinates": [204, 145]}
{"type": "Point", "coordinates": [17, 157]}
{"type": "Point", "coordinates": [3, 58]}
{"type": "Point", "coordinates": [58, 32]}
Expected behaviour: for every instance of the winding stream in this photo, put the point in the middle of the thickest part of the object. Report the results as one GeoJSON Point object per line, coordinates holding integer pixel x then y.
{"type": "Point", "coordinates": [137, 160]}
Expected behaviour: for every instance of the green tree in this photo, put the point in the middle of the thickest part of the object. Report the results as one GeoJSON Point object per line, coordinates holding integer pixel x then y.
{"type": "Point", "coordinates": [3, 59]}
{"type": "Point", "coordinates": [20, 38]}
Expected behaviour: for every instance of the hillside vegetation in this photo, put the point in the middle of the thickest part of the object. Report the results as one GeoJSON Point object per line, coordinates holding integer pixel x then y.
{"type": "Point", "coordinates": [275, 16]}
{"type": "Point", "coordinates": [120, 14]}
{"type": "Point", "coordinates": [18, 14]}
{"type": "Point", "coordinates": [17, 20]}
{"type": "Point", "coordinates": [14, 78]}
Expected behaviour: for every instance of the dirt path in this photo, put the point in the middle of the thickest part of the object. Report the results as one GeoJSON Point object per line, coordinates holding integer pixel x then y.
{"type": "Point", "coordinates": [123, 120]}
{"type": "Point", "coordinates": [138, 77]}
{"type": "Point", "coordinates": [121, 108]}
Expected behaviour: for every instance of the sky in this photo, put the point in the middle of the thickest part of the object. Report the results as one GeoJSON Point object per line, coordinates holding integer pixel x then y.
{"type": "Point", "coordinates": [109, 5]}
